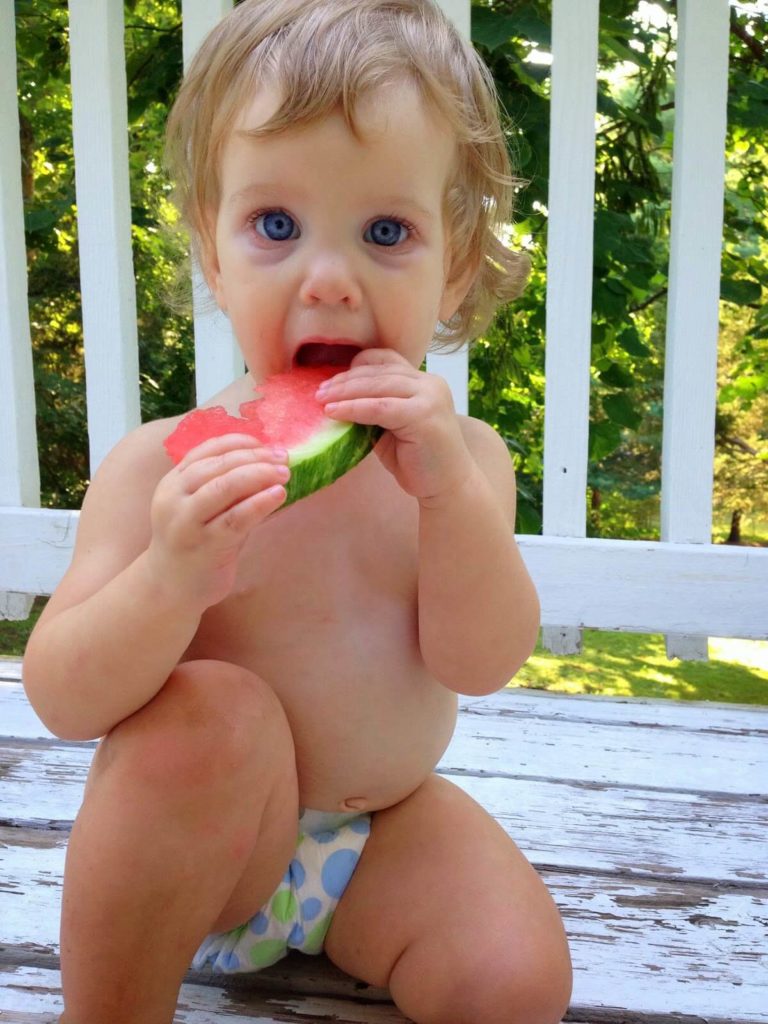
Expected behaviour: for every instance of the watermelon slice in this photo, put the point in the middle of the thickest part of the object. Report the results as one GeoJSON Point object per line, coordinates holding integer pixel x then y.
{"type": "Point", "coordinates": [287, 414]}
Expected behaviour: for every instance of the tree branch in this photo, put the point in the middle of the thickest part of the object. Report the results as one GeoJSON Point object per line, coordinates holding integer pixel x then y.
{"type": "Point", "coordinates": [749, 41]}
{"type": "Point", "coordinates": [649, 301]}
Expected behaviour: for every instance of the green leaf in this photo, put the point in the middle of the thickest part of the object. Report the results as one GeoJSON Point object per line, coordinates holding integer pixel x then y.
{"type": "Point", "coordinates": [629, 339]}
{"type": "Point", "coordinates": [744, 389]}
{"type": "Point", "coordinates": [40, 220]}
{"type": "Point", "coordinates": [624, 52]}
{"type": "Point", "coordinates": [491, 29]}
{"type": "Point", "coordinates": [621, 410]}
{"type": "Point", "coordinates": [604, 439]}
{"type": "Point", "coordinates": [616, 376]}
{"type": "Point", "coordinates": [740, 290]}
{"type": "Point", "coordinates": [610, 298]}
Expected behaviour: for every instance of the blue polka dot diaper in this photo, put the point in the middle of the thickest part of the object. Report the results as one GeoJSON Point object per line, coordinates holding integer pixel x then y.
{"type": "Point", "coordinates": [300, 912]}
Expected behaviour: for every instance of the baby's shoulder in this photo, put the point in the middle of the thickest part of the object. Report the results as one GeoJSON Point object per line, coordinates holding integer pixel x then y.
{"type": "Point", "coordinates": [483, 441]}
{"type": "Point", "coordinates": [139, 455]}
{"type": "Point", "coordinates": [123, 485]}
{"type": "Point", "coordinates": [489, 450]}
{"type": "Point", "coordinates": [115, 521]}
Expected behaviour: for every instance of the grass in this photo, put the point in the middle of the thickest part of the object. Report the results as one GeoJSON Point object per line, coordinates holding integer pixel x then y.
{"type": "Point", "coordinates": [13, 635]}
{"type": "Point", "coordinates": [611, 665]}
{"type": "Point", "coordinates": [636, 665]}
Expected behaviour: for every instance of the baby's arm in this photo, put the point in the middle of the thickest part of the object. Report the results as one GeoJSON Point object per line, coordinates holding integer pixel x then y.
{"type": "Point", "coordinates": [155, 548]}
{"type": "Point", "coordinates": [478, 608]}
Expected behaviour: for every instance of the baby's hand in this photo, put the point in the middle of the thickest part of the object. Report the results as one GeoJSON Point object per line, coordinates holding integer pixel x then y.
{"type": "Point", "coordinates": [424, 447]}
{"type": "Point", "coordinates": [204, 509]}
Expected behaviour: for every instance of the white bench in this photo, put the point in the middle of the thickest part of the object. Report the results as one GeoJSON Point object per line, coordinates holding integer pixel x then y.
{"type": "Point", "coordinates": [647, 820]}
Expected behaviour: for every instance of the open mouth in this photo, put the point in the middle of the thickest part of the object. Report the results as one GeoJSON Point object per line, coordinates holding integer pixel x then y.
{"type": "Point", "coordinates": [321, 353]}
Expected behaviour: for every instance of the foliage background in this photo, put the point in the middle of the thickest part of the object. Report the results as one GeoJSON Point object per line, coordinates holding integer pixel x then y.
{"type": "Point", "coordinates": [632, 212]}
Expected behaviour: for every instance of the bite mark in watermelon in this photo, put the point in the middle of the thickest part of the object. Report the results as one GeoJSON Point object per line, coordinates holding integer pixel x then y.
{"type": "Point", "coordinates": [320, 450]}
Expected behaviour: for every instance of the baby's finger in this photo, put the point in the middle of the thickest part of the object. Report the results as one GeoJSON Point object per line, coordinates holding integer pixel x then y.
{"type": "Point", "coordinates": [363, 385]}
{"type": "Point", "coordinates": [241, 517]}
{"type": "Point", "coordinates": [198, 473]}
{"type": "Point", "coordinates": [226, 491]}
{"type": "Point", "coordinates": [377, 356]}
{"type": "Point", "coordinates": [387, 412]}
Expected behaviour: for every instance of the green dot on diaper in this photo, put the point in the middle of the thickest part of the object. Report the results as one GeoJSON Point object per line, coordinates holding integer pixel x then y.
{"type": "Point", "coordinates": [315, 939]}
{"type": "Point", "coordinates": [267, 952]}
{"type": "Point", "coordinates": [284, 906]}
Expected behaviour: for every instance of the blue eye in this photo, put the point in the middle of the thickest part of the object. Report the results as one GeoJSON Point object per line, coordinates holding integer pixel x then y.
{"type": "Point", "coordinates": [276, 225]}
{"type": "Point", "coordinates": [386, 231]}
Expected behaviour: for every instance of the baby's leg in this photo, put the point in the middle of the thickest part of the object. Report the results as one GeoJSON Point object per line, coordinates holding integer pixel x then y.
{"type": "Point", "coordinates": [188, 822]}
{"type": "Point", "coordinates": [445, 910]}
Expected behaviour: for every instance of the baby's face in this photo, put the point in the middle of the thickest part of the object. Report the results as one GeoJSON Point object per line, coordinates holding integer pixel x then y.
{"type": "Point", "coordinates": [328, 239]}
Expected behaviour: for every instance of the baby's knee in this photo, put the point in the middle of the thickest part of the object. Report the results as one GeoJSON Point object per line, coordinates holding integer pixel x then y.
{"type": "Point", "coordinates": [516, 987]}
{"type": "Point", "coordinates": [210, 721]}
{"type": "Point", "coordinates": [499, 982]}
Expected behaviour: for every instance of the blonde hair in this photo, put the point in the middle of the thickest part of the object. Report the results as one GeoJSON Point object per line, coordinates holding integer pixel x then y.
{"type": "Point", "coordinates": [325, 54]}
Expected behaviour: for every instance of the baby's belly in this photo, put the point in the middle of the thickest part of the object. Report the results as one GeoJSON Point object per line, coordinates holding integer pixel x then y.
{"type": "Point", "coordinates": [369, 723]}
{"type": "Point", "coordinates": [370, 749]}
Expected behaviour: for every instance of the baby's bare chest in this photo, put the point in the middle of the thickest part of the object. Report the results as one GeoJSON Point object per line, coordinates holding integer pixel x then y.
{"type": "Point", "coordinates": [322, 586]}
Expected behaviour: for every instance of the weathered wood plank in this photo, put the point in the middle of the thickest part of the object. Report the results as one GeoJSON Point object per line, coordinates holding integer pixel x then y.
{"type": "Point", "coordinates": [10, 669]}
{"type": "Point", "coordinates": [686, 835]}
{"type": "Point", "coordinates": [598, 790]}
{"type": "Point", "coordinates": [637, 945]}
{"type": "Point", "coordinates": [699, 716]}
{"type": "Point", "coordinates": [607, 744]}
{"type": "Point", "coordinates": [33, 995]}
{"type": "Point", "coordinates": [660, 887]}
{"type": "Point", "coordinates": [40, 782]}
{"type": "Point", "coordinates": [718, 748]}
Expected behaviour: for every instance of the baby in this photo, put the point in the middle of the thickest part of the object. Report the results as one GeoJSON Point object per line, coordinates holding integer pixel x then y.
{"type": "Point", "coordinates": [274, 686]}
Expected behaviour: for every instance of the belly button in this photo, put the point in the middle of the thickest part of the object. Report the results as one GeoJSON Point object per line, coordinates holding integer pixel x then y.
{"type": "Point", "coordinates": [355, 803]}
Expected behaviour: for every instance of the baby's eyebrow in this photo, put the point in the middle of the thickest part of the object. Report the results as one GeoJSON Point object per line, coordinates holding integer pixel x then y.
{"type": "Point", "coordinates": [264, 190]}
{"type": "Point", "coordinates": [396, 204]}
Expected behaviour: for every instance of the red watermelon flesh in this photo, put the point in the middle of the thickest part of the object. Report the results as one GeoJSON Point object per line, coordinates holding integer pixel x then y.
{"type": "Point", "coordinates": [287, 414]}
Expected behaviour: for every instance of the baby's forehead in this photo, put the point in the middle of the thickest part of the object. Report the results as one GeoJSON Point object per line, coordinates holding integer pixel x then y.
{"type": "Point", "coordinates": [376, 111]}
{"type": "Point", "coordinates": [397, 147]}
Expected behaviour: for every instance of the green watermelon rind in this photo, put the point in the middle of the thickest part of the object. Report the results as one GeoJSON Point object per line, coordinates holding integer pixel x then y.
{"type": "Point", "coordinates": [330, 453]}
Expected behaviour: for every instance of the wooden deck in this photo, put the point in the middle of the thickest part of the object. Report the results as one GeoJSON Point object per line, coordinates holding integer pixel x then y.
{"type": "Point", "coordinates": [647, 819]}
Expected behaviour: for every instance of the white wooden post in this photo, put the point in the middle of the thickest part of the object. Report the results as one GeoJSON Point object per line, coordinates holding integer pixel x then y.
{"type": "Point", "coordinates": [19, 472]}
{"type": "Point", "coordinates": [218, 360]}
{"type": "Point", "coordinates": [454, 366]}
{"type": "Point", "coordinates": [569, 280]}
{"type": "Point", "coordinates": [100, 120]}
{"type": "Point", "coordinates": [690, 377]}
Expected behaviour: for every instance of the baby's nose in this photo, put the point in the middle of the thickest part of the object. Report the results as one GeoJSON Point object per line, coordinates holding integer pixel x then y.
{"type": "Point", "coordinates": [330, 280]}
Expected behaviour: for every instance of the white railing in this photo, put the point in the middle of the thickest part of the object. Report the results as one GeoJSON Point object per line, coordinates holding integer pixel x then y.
{"type": "Point", "coordinates": [682, 586]}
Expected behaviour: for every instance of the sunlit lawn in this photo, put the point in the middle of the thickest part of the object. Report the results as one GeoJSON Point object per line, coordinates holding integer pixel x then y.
{"type": "Point", "coordinates": [636, 665]}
